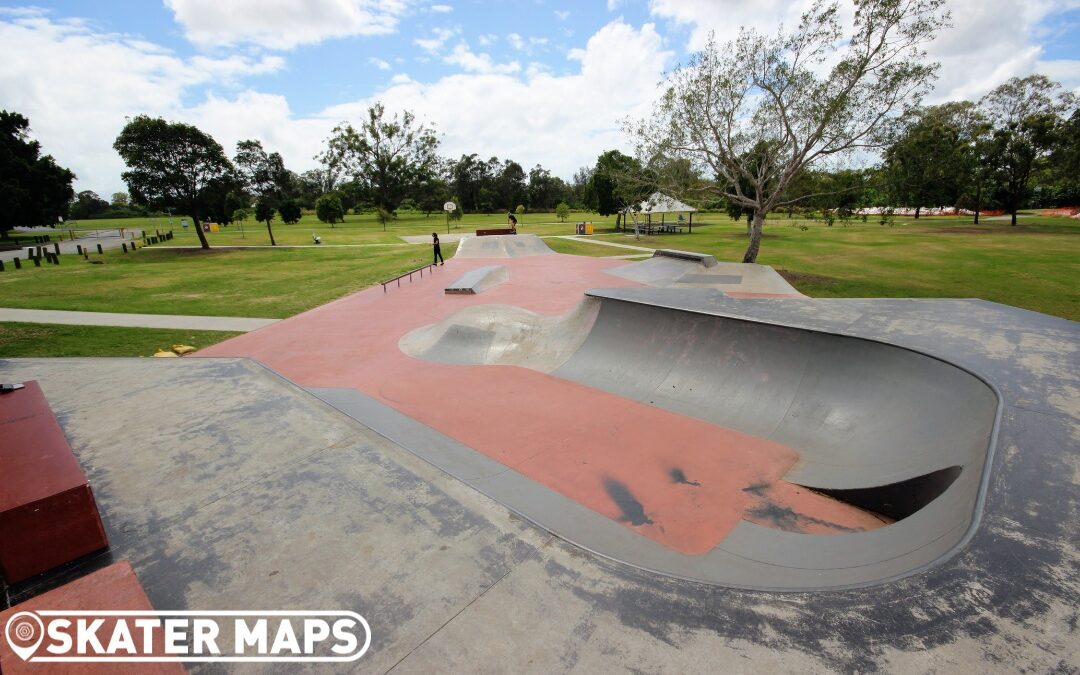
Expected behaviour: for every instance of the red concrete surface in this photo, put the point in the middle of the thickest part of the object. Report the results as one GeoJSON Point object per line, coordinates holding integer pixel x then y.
{"type": "Point", "coordinates": [113, 588]}
{"type": "Point", "coordinates": [605, 451]}
{"type": "Point", "coordinates": [47, 512]}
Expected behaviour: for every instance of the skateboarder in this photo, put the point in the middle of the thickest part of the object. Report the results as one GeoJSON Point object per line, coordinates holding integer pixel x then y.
{"type": "Point", "coordinates": [438, 251]}
{"type": "Point", "coordinates": [511, 219]}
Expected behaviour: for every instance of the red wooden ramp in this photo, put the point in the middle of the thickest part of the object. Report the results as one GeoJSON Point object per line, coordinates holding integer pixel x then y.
{"type": "Point", "coordinates": [47, 512]}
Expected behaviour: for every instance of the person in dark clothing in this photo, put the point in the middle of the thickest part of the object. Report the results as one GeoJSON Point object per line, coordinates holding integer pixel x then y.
{"type": "Point", "coordinates": [512, 220]}
{"type": "Point", "coordinates": [438, 251]}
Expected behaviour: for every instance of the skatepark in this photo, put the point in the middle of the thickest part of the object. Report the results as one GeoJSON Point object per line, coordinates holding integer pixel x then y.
{"type": "Point", "coordinates": [522, 460]}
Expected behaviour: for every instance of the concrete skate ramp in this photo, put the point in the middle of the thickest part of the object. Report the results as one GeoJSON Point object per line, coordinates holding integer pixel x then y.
{"type": "Point", "coordinates": [888, 429]}
{"type": "Point", "coordinates": [736, 279]}
{"type": "Point", "coordinates": [502, 246]}
{"type": "Point", "coordinates": [503, 335]}
{"type": "Point", "coordinates": [478, 280]}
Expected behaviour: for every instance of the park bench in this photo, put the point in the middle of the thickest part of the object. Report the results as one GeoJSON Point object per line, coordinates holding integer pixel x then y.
{"type": "Point", "coordinates": [48, 516]}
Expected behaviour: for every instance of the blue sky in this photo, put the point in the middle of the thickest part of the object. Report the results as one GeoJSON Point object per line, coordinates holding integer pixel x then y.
{"type": "Point", "coordinates": [538, 81]}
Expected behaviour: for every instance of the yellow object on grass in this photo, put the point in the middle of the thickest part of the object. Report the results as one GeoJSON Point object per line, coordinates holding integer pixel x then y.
{"type": "Point", "coordinates": [162, 354]}
{"type": "Point", "coordinates": [183, 349]}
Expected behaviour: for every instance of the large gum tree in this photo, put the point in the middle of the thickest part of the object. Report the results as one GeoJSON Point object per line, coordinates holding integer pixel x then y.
{"type": "Point", "coordinates": [171, 165]}
{"type": "Point", "coordinates": [758, 111]}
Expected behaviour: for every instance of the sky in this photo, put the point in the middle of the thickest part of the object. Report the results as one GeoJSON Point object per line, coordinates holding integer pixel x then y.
{"type": "Point", "coordinates": [538, 81]}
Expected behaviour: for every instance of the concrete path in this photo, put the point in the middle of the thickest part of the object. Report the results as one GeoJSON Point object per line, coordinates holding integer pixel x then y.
{"type": "Point", "coordinates": [451, 238]}
{"type": "Point", "coordinates": [109, 239]}
{"type": "Point", "coordinates": [226, 323]}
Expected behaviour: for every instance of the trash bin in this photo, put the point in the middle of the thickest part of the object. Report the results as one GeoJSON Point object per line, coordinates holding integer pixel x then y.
{"type": "Point", "coordinates": [580, 228]}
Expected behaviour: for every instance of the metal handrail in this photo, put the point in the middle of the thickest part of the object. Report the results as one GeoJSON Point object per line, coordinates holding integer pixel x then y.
{"type": "Point", "coordinates": [409, 274]}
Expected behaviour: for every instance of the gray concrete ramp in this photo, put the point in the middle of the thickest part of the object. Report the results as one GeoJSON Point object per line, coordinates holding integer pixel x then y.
{"type": "Point", "coordinates": [502, 246]}
{"type": "Point", "coordinates": [675, 269]}
{"type": "Point", "coordinates": [503, 335]}
{"type": "Point", "coordinates": [478, 280]}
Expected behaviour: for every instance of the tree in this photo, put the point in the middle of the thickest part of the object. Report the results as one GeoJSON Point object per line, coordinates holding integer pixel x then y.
{"type": "Point", "coordinates": [120, 199]}
{"type": "Point", "coordinates": [34, 190]}
{"type": "Point", "coordinates": [262, 173]}
{"type": "Point", "coordinates": [171, 165]}
{"type": "Point", "coordinates": [390, 157]}
{"type": "Point", "coordinates": [562, 211]}
{"type": "Point", "coordinates": [329, 210]}
{"type": "Point", "coordinates": [290, 211]}
{"type": "Point", "coordinates": [1024, 113]}
{"type": "Point", "coordinates": [87, 204]}
{"type": "Point", "coordinates": [617, 183]}
{"type": "Point", "coordinates": [264, 213]}
{"type": "Point", "coordinates": [931, 161]}
{"type": "Point", "coordinates": [432, 194]}
{"type": "Point", "coordinates": [384, 216]}
{"type": "Point", "coordinates": [765, 107]}
{"type": "Point", "coordinates": [510, 185]}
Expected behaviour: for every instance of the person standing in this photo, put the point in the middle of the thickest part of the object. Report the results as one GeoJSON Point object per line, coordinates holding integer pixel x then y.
{"type": "Point", "coordinates": [438, 251]}
{"type": "Point", "coordinates": [511, 220]}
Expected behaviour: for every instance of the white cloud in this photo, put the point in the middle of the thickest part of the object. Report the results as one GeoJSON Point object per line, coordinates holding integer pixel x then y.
{"type": "Point", "coordinates": [434, 44]}
{"type": "Point", "coordinates": [562, 15]}
{"type": "Point", "coordinates": [284, 24]}
{"type": "Point", "coordinates": [379, 63]}
{"type": "Point", "coordinates": [562, 122]}
{"type": "Point", "coordinates": [76, 85]}
{"type": "Point", "coordinates": [989, 42]}
{"type": "Point", "coordinates": [487, 39]}
{"type": "Point", "coordinates": [442, 9]}
{"type": "Point", "coordinates": [516, 41]}
{"type": "Point", "coordinates": [472, 62]}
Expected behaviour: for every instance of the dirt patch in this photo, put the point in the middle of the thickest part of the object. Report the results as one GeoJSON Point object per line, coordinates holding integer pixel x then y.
{"type": "Point", "coordinates": [804, 277]}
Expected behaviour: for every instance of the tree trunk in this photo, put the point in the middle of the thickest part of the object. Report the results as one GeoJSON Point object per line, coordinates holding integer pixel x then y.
{"type": "Point", "coordinates": [755, 238]}
{"type": "Point", "coordinates": [917, 209]}
{"type": "Point", "coordinates": [198, 231]}
{"type": "Point", "coordinates": [1014, 217]}
{"type": "Point", "coordinates": [272, 242]}
{"type": "Point", "coordinates": [978, 201]}
{"type": "Point", "coordinates": [749, 224]}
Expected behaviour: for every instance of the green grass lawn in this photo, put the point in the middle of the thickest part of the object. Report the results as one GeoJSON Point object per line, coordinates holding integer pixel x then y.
{"type": "Point", "coordinates": [256, 283]}
{"type": "Point", "coordinates": [1034, 265]}
{"type": "Point", "coordinates": [35, 339]}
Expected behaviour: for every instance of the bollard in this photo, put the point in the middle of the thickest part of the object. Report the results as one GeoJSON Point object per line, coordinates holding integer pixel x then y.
{"type": "Point", "coordinates": [18, 265]}
{"type": "Point", "coordinates": [99, 249]}
{"type": "Point", "coordinates": [86, 254]}
{"type": "Point", "coordinates": [1, 265]}
{"type": "Point", "coordinates": [123, 246]}
{"type": "Point", "coordinates": [78, 248]}
{"type": "Point", "coordinates": [37, 262]}
{"type": "Point", "coordinates": [56, 248]}
{"type": "Point", "coordinates": [56, 259]}
{"type": "Point", "coordinates": [30, 252]}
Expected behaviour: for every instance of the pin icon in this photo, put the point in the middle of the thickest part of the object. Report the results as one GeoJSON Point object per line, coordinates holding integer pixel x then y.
{"type": "Point", "coordinates": [24, 633]}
